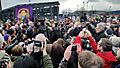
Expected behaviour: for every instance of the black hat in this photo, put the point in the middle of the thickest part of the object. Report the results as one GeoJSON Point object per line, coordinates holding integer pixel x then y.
{"type": "Point", "coordinates": [108, 32]}
{"type": "Point", "coordinates": [10, 31]}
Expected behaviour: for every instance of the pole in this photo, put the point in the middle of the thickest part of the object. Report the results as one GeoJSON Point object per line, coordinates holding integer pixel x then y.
{"type": "Point", "coordinates": [29, 0]}
{"type": "Point", "coordinates": [110, 10]}
{"type": "Point", "coordinates": [83, 4]}
{"type": "Point", "coordinates": [87, 5]}
{"type": "Point", "coordinates": [77, 7]}
{"type": "Point", "coordinates": [92, 7]}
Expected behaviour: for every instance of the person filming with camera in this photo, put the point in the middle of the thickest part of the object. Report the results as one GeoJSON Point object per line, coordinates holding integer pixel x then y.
{"type": "Point", "coordinates": [37, 55]}
{"type": "Point", "coordinates": [86, 41]}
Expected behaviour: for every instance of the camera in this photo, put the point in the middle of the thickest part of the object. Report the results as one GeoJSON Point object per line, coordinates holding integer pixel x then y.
{"type": "Point", "coordinates": [86, 44]}
{"type": "Point", "coordinates": [3, 62]}
{"type": "Point", "coordinates": [36, 43]}
{"type": "Point", "coordinates": [74, 48]}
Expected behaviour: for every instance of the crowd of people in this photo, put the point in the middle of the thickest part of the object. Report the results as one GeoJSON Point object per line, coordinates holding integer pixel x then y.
{"type": "Point", "coordinates": [87, 42]}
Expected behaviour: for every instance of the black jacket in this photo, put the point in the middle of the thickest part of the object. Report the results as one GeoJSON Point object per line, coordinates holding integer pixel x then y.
{"type": "Point", "coordinates": [98, 36]}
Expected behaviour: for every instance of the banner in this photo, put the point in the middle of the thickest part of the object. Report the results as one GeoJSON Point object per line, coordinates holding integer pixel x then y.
{"type": "Point", "coordinates": [23, 12]}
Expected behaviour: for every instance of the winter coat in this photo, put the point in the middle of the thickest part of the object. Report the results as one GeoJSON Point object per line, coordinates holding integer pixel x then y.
{"type": "Point", "coordinates": [43, 61]}
{"type": "Point", "coordinates": [108, 58]}
{"type": "Point", "coordinates": [92, 43]}
{"type": "Point", "coordinates": [98, 36]}
{"type": "Point", "coordinates": [57, 54]}
{"type": "Point", "coordinates": [47, 62]}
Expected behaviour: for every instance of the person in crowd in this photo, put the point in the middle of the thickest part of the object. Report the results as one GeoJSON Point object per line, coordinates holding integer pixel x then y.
{"type": "Point", "coordinates": [85, 34]}
{"type": "Point", "coordinates": [114, 21]}
{"type": "Point", "coordinates": [99, 31]}
{"type": "Point", "coordinates": [116, 49]}
{"type": "Point", "coordinates": [5, 60]}
{"type": "Point", "coordinates": [105, 48]}
{"type": "Point", "coordinates": [93, 21]}
{"type": "Point", "coordinates": [88, 59]}
{"type": "Point", "coordinates": [17, 50]}
{"type": "Point", "coordinates": [70, 59]}
{"type": "Point", "coordinates": [1, 41]}
{"type": "Point", "coordinates": [115, 28]}
{"type": "Point", "coordinates": [116, 43]}
{"type": "Point", "coordinates": [25, 62]}
{"type": "Point", "coordinates": [39, 52]}
{"type": "Point", "coordinates": [12, 33]}
{"type": "Point", "coordinates": [57, 52]}
{"type": "Point", "coordinates": [67, 52]}
{"type": "Point", "coordinates": [43, 28]}
{"type": "Point", "coordinates": [108, 33]}
{"type": "Point", "coordinates": [5, 27]}
{"type": "Point", "coordinates": [7, 39]}
{"type": "Point", "coordinates": [83, 18]}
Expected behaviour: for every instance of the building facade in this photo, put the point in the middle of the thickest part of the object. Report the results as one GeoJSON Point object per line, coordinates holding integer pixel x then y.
{"type": "Point", "coordinates": [48, 10]}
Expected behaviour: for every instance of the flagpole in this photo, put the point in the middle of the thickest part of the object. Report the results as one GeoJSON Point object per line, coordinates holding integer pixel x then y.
{"type": "Point", "coordinates": [29, 0]}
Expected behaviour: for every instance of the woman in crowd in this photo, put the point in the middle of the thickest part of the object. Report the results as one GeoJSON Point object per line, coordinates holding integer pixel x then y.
{"type": "Point", "coordinates": [57, 52]}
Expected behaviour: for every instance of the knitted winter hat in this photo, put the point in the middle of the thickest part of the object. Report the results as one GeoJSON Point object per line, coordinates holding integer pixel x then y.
{"type": "Point", "coordinates": [6, 36]}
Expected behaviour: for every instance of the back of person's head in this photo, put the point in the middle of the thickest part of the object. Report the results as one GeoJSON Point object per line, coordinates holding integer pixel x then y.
{"type": "Point", "coordinates": [57, 49]}
{"type": "Point", "coordinates": [88, 59]}
{"type": "Point", "coordinates": [10, 31]}
{"type": "Point", "coordinates": [58, 45]}
{"type": "Point", "coordinates": [106, 44]}
{"type": "Point", "coordinates": [108, 32]}
{"type": "Point", "coordinates": [25, 62]}
{"type": "Point", "coordinates": [60, 41]}
{"type": "Point", "coordinates": [115, 41]}
{"type": "Point", "coordinates": [17, 50]}
{"type": "Point", "coordinates": [57, 52]}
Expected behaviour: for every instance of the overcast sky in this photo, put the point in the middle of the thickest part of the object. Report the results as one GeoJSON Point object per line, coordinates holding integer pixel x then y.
{"type": "Point", "coordinates": [72, 4]}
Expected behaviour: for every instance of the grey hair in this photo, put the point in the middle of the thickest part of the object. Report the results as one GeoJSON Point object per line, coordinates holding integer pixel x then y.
{"type": "Point", "coordinates": [115, 41]}
{"type": "Point", "coordinates": [101, 26]}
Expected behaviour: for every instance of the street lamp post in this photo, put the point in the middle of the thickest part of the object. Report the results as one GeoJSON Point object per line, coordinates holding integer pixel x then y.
{"type": "Point", "coordinates": [83, 4]}
{"type": "Point", "coordinates": [110, 9]}
{"type": "Point", "coordinates": [87, 5]}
